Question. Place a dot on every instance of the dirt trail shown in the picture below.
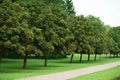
(73, 73)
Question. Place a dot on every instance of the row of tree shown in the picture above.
(48, 27)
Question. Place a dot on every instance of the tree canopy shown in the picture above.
(50, 27)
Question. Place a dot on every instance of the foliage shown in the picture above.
(48, 28)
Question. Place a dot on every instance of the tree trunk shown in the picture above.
(114, 55)
(0, 58)
(88, 57)
(55, 55)
(46, 58)
(80, 57)
(71, 60)
(25, 61)
(117, 55)
(100, 56)
(52, 55)
(95, 57)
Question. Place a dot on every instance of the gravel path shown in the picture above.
(73, 73)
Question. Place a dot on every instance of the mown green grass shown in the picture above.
(109, 74)
(12, 68)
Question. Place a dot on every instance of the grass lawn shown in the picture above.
(11, 69)
(109, 74)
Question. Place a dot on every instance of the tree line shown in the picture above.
(50, 27)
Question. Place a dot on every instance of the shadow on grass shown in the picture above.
(78, 62)
(10, 61)
(41, 67)
(108, 57)
(3, 71)
(30, 67)
(15, 66)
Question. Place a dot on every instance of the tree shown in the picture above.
(66, 5)
(69, 7)
(17, 36)
(114, 33)
(95, 33)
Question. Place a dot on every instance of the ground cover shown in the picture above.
(12, 68)
(109, 74)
